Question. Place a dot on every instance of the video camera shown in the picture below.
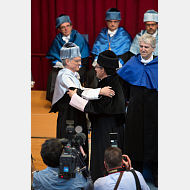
(71, 156)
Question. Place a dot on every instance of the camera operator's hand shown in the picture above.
(82, 151)
(126, 162)
(107, 91)
(71, 92)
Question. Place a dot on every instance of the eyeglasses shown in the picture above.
(98, 67)
(63, 27)
(152, 25)
(75, 60)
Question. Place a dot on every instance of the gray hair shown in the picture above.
(64, 62)
(148, 38)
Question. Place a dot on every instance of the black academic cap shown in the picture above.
(108, 59)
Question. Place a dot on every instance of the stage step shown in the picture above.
(43, 125)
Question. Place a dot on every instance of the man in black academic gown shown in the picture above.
(107, 115)
(140, 77)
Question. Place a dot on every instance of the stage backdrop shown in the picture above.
(87, 16)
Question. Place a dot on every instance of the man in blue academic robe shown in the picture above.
(67, 34)
(140, 81)
(151, 25)
(113, 38)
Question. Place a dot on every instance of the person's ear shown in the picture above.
(67, 61)
(105, 165)
(153, 49)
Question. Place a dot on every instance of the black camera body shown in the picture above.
(67, 165)
(71, 156)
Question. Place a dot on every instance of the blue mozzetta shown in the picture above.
(54, 50)
(118, 45)
(136, 73)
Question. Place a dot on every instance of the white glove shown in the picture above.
(94, 63)
(58, 65)
(120, 65)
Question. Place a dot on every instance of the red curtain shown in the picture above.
(87, 16)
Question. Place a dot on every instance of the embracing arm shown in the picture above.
(94, 94)
(80, 103)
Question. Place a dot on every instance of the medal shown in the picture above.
(109, 47)
(109, 42)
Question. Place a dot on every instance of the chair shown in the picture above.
(85, 36)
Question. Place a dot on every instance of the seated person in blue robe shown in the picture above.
(113, 38)
(151, 25)
(66, 34)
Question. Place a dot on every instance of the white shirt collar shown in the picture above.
(66, 38)
(154, 35)
(147, 61)
(112, 33)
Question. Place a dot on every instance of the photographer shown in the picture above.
(116, 174)
(48, 178)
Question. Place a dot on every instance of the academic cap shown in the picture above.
(108, 59)
(113, 14)
(62, 19)
(151, 15)
(69, 50)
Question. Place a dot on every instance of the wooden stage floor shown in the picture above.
(43, 125)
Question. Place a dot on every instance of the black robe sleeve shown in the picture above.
(93, 56)
(126, 88)
(90, 109)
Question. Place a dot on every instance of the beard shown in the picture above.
(151, 31)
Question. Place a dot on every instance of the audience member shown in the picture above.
(151, 25)
(114, 163)
(48, 178)
(113, 38)
(66, 34)
(107, 115)
(140, 77)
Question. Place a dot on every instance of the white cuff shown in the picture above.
(78, 102)
(91, 94)
(58, 65)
